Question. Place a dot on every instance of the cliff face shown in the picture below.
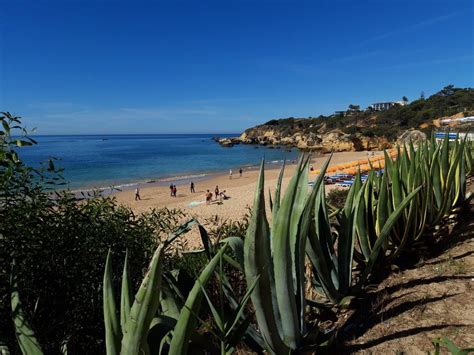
(362, 130)
(334, 140)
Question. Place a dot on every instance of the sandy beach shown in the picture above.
(239, 189)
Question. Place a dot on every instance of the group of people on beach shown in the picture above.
(219, 196)
(173, 190)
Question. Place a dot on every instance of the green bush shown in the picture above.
(60, 247)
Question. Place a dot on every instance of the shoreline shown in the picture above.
(178, 180)
(240, 190)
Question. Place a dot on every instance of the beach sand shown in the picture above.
(240, 190)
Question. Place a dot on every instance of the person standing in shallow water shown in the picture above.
(192, 187)
(137, 193)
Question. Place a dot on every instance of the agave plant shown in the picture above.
(379, 218)
(24, 333)
(437, 170)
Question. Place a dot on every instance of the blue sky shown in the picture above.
(75, 67)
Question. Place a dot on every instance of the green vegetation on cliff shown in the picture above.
(419, 114)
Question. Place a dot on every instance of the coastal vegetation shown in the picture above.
(91, 276)
(367, 129)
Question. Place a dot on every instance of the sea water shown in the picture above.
(94, 161)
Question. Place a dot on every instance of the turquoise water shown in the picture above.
(105, 160)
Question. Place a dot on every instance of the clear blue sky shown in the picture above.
(221, 66)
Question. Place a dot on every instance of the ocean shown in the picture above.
(96, 161)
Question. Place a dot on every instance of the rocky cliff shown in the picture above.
(333, 140)
(354, 129)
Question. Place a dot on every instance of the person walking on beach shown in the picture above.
(208, 197)
(137, 193)
(171, 190)
(175, 190)
(192, 187)
(240, 172)
(230, 174)
(216, 191)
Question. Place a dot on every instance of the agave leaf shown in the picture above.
(187, 320)
(363, 211)
(303, 224)
(126, 295)
(277, 199)
(384, 235)
(284, 242)
(258, 263)
(382, 205)
(444, 160)
(320, 248)
(396, 186)
(182, 229)
(240, 309)
(215, 314)
(237, 246)
(144, 308)
(447, 203)
(169, 300)
(206, 242)
(25, 335)
(113, 333)
(319, 254)
(345, 244)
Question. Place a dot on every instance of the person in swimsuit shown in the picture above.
(208, 197)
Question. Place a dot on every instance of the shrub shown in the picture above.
(60, 247)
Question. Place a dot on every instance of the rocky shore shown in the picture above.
(334, 140)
